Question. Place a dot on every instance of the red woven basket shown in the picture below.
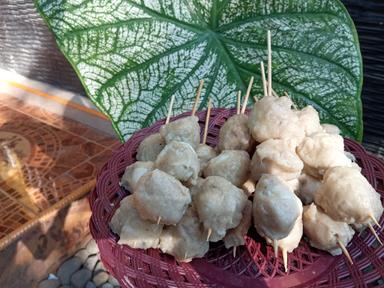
(254, 264)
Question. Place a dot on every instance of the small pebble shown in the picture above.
(99, 267)
(92, 247)
(49, 283)
(91, 262)
(67, 269)
(52, 276)
(90, 285)
(113, 280)
(80, 278)
(82, 254)
(106, 285)
(100, 278)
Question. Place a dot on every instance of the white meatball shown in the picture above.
(205, 153)
(275, 208)
(150, 147)
(347, 196)
(134, 231)
(134, 172)
(272, 118)
(308, 187)
(158, 194)
(179, 160)
(321, 151)
(219, 205)
(234, 134)
(186, 240)
(323, 232)
(232, 165)
(277, 157)
(309, 119)
(330, 129)
(185, 129)
(235, 236)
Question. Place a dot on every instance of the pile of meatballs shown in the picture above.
(278, 169)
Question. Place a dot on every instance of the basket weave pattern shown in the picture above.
(254, 264)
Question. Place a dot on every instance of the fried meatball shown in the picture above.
(186, 240)
(276, 157)
(185, 129)
(323, 232)
(234, 134)
(134, 231)
(309, 119)
(235, 236)
(330, 129)
(347, 196)
(219, 205)
(205, 153)
(158, 194)
(275, 208)
(232, 165)
(179, 160)
(273, 118)
(133, 173)
(321, 151)
(150, 147)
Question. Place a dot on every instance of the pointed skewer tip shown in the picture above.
(345, 251)
(209, 233)
(375, 234)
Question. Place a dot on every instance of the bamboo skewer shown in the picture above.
(275, 247)
(375, 234)
(170, 109)
(374, 220)
(269, 63)
(264, 81)
(285, 259)
(197, 98)
(345, 251)
(208, 115)
(247, 95)
(234, 252)
(209, 233)
(158, 220)
(238, 102)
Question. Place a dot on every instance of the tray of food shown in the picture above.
(241, 198)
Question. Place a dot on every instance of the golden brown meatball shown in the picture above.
(321, 151)
(347, 196)
(323, 232)
(277, 157)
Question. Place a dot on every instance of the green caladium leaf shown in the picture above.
(133, 55)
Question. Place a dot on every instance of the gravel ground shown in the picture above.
(83, 270)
